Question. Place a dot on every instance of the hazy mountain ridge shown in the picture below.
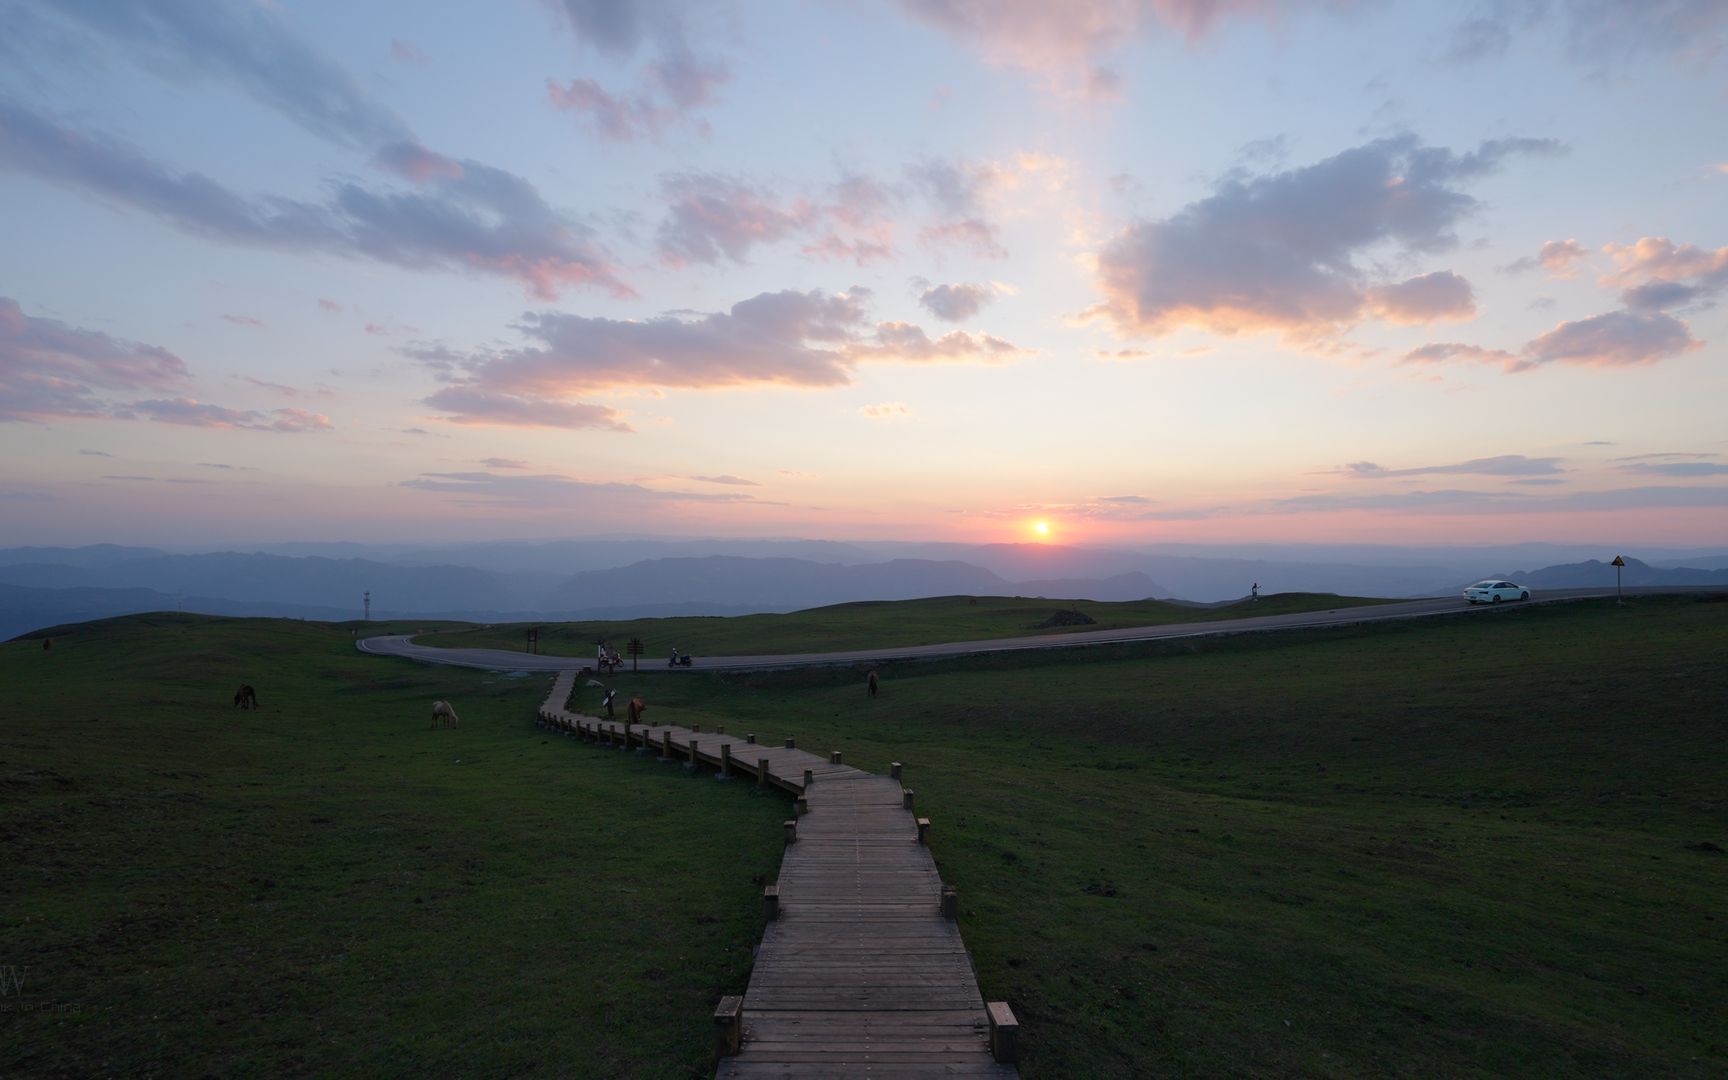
(771, 584)
(1597, 573)
(44, 586)
(24, 609)
(339, 584)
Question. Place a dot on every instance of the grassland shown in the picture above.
(329, 886)
(1471, 847)
(870, 625)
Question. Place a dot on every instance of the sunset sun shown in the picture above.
(1041, 529)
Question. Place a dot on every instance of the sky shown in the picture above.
(1099, 271)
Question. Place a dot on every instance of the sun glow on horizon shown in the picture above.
(1041, 529)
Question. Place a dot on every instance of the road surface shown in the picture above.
(505, 660)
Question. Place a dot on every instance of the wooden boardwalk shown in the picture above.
(861, 972)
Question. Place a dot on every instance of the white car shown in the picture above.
(1492, 592)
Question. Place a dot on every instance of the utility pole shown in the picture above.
(368, 595)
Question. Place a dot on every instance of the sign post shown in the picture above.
(635, 649)
(533, 640)
(1619, 561)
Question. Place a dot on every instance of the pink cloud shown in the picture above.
(628, 118)
(727, 479)
(189, 412)
(415, 162)
(1617, 339)
(1504, 465)
(407, 52)
(553, 489)
(459, 214)
(374, 328)
(1438, 297)
(298, 420)
(329, 305)
(1657, 273)
(713, 216)
(1559, 257)
(908, 343)
(1278, 252)
(1434, 354)
(957, 302)
(614, 118)
(275, 388)
(468, 405)
(1614, 339)
(675, 81)
(887, 411)
(1068, 42)
(50, 370)
(245, 320)
(794, 339)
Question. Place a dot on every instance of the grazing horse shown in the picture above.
(245, 697)
(871, 681)
(636, 709)
(443, 713)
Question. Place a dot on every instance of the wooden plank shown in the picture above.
(858, 975)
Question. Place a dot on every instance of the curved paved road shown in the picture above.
(504, 660)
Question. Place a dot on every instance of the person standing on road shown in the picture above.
(1254, 593)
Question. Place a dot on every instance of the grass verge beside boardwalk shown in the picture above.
(1478, 847)
(327, 885)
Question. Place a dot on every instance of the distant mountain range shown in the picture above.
(654, 577)
(1596, 573)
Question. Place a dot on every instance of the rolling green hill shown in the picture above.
(873, 624)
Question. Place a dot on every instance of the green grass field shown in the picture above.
(329, 886)
(868, 625)
(1458, 847)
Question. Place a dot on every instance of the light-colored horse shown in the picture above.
(444, 713)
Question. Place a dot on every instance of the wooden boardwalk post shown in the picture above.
(1004, 1033)
(729, 1025)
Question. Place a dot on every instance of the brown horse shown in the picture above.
(636, 709)
(871, 681)
(245, 697)
(444, 713)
